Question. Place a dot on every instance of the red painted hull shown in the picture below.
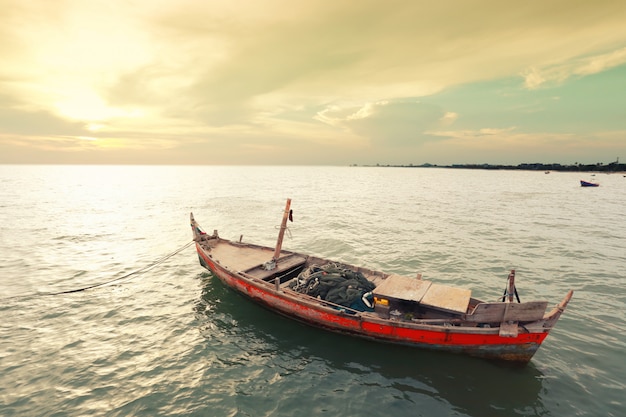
(474, 341)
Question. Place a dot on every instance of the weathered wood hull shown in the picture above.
(451, 335)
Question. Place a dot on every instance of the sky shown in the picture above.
(277, 82)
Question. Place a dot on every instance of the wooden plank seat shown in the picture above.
(283, 264)
(525, 312)
(504, 312)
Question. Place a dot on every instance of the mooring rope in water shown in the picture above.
(127, 276)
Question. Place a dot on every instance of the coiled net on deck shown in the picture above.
(337, 284)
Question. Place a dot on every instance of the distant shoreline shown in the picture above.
(599, 167)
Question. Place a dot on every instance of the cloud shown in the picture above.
(600, 63)
(225, 64)
(558, 73)
(514, 146)
(278, 73)
(18, 118)
(389, 123)
(448, 118)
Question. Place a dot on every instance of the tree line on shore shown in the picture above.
(576, 167)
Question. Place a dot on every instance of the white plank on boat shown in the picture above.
(529, 311)
(509, 329)
(447, 298)
(402, 288)
(487, 313)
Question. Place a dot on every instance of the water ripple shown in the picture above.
(175, 342)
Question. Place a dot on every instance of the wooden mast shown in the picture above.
(511, 287)
(281, 233)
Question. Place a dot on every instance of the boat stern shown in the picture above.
(553, 316)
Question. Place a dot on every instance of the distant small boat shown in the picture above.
(375, 305)
(588, 184)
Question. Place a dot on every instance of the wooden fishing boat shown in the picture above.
(375, 305)
(584, 183)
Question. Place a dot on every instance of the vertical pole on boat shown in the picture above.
(511, 286)
(281, 233)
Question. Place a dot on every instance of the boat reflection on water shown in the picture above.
(459, 383)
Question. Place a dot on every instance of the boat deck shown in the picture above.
(239, 257)
(251, 260)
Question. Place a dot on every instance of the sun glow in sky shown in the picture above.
(312, 82)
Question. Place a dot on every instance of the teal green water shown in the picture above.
(173, 341)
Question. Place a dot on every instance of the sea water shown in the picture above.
(164, 337)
